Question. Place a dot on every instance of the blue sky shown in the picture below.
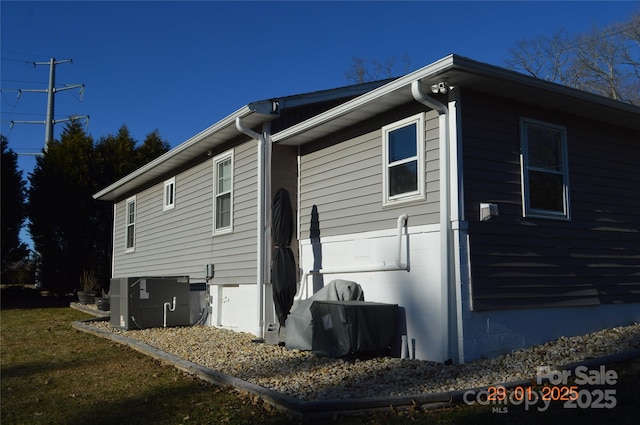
(179, 67)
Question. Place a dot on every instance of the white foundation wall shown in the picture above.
(235, 307)
(417, 291)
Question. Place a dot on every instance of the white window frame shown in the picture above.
(419, 193)
(526, 168)
(169, 194)
(130, 224)
(226, 156)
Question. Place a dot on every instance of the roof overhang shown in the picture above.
(253, 115)
(458, 71)
(463, 72)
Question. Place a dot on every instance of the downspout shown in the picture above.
(445, 210)
(113, 242)
(263, 195)
(459, 227)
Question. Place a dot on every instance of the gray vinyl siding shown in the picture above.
(519, 262)
(343, 180)
(234, 254)
(179, 241)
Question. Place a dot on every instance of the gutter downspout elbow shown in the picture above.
(419, 95)
(242, 129)
(402, 222)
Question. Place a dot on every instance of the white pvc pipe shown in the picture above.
(399, 265)
(404, 349)
(170, 307)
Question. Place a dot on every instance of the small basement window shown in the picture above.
(169, 198)
(403, 160)
(545, 176)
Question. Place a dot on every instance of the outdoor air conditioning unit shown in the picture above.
(151, 302)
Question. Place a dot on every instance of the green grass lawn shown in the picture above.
(54, 374)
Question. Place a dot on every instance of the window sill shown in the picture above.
(222, 232)
(547, 216)
(404, 200)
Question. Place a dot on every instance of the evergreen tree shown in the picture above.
(61, 209)
(152, 147)
(14, 252)
(72, 231)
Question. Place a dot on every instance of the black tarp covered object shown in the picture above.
(300, 322)
(349, 327)
(283, 270)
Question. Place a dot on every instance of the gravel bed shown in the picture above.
(308, 377)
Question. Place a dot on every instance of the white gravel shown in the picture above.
(308, 377)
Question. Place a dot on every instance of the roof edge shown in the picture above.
(448, 63)
(225, 122)
(435, 67)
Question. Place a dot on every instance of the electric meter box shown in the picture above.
(148, 302)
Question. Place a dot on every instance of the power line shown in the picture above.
(22, 81)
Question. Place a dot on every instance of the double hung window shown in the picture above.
(130, 232)
(545, 177)
(223, 193)
(403, 160)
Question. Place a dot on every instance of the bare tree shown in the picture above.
(362, 70)
(602, 61)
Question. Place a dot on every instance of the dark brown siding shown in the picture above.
(519, 262)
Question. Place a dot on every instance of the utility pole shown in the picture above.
(51, 91)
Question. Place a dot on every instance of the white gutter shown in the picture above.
(445, 212)
(398, 265)
(262, 228)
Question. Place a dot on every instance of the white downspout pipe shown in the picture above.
(113, 242)
(445, 210)
(261, 223)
